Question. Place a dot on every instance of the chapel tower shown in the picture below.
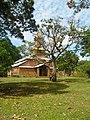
(38, 50)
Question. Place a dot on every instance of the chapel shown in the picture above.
(35, 65)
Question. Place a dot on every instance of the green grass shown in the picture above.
(41, 99)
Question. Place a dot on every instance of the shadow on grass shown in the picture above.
(69, 80)
(73, 80)
(30, 89)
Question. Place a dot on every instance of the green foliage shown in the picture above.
(85, 34)
(85, 42)
(84, 68)
(16, 16)
(53, 31)
(8, 54)
(67, 62)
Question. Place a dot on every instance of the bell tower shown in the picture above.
(38, 50)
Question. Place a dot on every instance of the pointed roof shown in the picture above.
(23, 60)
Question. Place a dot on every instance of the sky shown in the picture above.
(53, 9)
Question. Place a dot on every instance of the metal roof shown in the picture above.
(23, 59)
(17, 64)
(32, 66)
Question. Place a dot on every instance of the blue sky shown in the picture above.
(52, 9)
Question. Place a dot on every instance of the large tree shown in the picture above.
(55, 35)
(8, 54)
(16, 16)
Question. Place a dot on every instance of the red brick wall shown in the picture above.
(15, 71)
(28, 72)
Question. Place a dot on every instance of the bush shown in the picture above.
(83, 69)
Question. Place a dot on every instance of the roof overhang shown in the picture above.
(37, 66)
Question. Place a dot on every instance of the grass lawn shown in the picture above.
(41, 99)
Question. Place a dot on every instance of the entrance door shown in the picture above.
(43, 71)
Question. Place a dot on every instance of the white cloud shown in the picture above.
(53, 8)
(65, 42)
(84, 58)
(50, 9)
(28, 36)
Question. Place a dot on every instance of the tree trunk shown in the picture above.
(54, 78)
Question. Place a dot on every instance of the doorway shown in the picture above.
(43, 71)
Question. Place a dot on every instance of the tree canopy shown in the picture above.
(85, 34)
(85, 43)
(67, 62)
(55, 35)
(16, 16)
(8, 54)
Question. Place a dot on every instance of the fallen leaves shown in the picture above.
(17, 117)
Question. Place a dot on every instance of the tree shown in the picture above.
(78, 5)
(67, 62)
(85, 42)
(85, 34)
(55, 34)
(26, 48)
(16, 17)
(8, 54)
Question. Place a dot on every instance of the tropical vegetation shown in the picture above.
(8, 55)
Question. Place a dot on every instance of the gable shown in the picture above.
(30, 62)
